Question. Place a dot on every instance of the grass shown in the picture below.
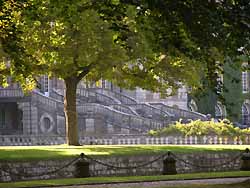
(24, 153)
(96, 180)
(245, 184)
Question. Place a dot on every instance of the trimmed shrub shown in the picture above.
(201, 128)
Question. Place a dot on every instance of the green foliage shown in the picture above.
(172, 39)
(232, 92)
(201, 128)
(72, 41)
(152, 132)
(205, 100)
(211, 89)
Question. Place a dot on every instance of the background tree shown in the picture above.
(152, 44)
(232, 91)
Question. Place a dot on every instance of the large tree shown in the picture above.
(152, 44)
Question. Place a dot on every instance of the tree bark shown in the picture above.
(70, 111)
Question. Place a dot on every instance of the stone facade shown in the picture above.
(102, 110)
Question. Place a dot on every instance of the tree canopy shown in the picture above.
(152, 44)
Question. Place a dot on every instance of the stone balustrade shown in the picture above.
(151, 111)
(54, 94)
(176, 140)
(124, 99)
(125, 109)
(93, 96)
(30, 140)
(52, 103)
(44, 100)
(5, 92)
(180, 113)
(118, 117)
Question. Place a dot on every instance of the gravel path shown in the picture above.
(163, 183)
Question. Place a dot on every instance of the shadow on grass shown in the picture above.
(150, 150)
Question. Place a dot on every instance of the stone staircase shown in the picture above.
(117, 120)
(125, 115)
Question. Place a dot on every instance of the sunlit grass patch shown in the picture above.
(64, 151)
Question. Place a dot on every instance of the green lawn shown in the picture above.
(95, 180)
(61, 151)
(236, 185)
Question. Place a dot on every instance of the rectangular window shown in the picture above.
(103, 83)
(46, 83)
(244, 82)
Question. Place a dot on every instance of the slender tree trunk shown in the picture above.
(70, 111)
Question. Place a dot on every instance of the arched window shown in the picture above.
(47, 123)
(220, 112)
(245, 114)
(192, 106)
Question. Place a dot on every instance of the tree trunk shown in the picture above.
(70, 111)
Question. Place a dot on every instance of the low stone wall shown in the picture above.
(216, 161)
(15, 171)
(200, 160)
